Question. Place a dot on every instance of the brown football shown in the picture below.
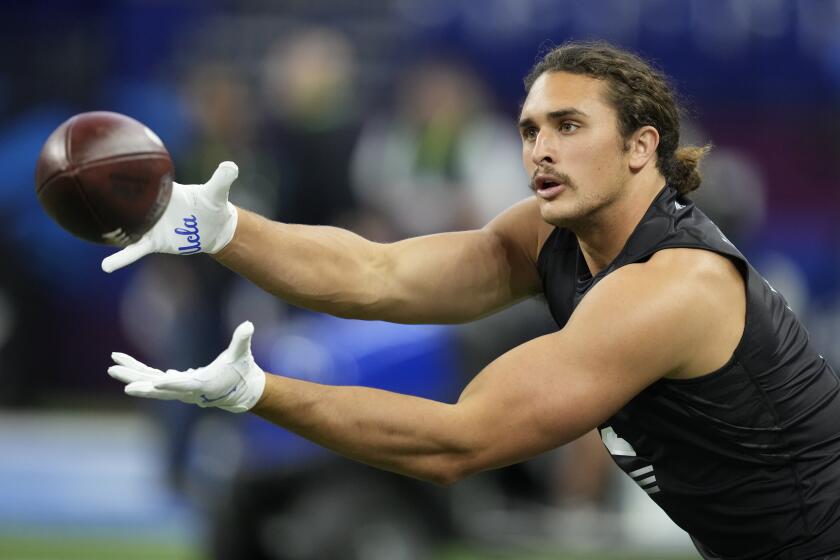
(104, 177)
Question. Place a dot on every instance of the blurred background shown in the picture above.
(392, 118)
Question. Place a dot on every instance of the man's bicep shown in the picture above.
(460, 276)
(535, 398)
(553, 389)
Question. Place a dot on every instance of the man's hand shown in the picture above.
(198, 219)
(232, 382)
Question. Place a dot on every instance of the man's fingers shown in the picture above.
(130, 375)
(219, 183)
(147, 390)
(128, 255)
(128, 361)
(240, 342)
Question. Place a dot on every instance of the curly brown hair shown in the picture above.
(641, 96)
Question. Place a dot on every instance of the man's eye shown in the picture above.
(530, 133)
(569, 127)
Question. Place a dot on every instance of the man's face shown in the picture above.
(571, 147)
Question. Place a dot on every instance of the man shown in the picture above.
(699, 377)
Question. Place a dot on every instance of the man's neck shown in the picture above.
(605, 233)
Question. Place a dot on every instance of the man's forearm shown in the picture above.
(400, 433)
(317, 267)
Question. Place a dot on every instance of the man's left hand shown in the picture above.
(232, 382)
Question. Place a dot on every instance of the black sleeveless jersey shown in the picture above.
(745, 459)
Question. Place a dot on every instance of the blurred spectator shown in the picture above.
(225, 119)
(441, 160)
(310, 124)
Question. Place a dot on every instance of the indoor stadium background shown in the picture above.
(393, 118)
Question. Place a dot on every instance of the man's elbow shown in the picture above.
(451, 470)
(446, 478)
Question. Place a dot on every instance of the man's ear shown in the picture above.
(642, 147)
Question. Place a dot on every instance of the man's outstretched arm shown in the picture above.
(444, 278)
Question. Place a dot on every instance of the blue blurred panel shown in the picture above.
(808, 240)
(20, 143)
(418, 360)
(720, 51)
(86, 473)
(144, 33)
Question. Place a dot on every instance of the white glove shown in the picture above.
(232, 382)
(198, 219)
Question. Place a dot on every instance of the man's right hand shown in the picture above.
(198, 219)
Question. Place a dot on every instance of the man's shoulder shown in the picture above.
(699, 292)
(696, 267)
(692, 275)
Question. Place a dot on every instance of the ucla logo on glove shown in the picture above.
(190, 230)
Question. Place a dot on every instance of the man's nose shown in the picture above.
(544, 150)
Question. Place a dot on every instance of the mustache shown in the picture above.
(552, 174)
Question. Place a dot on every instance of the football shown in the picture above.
(104, 177)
